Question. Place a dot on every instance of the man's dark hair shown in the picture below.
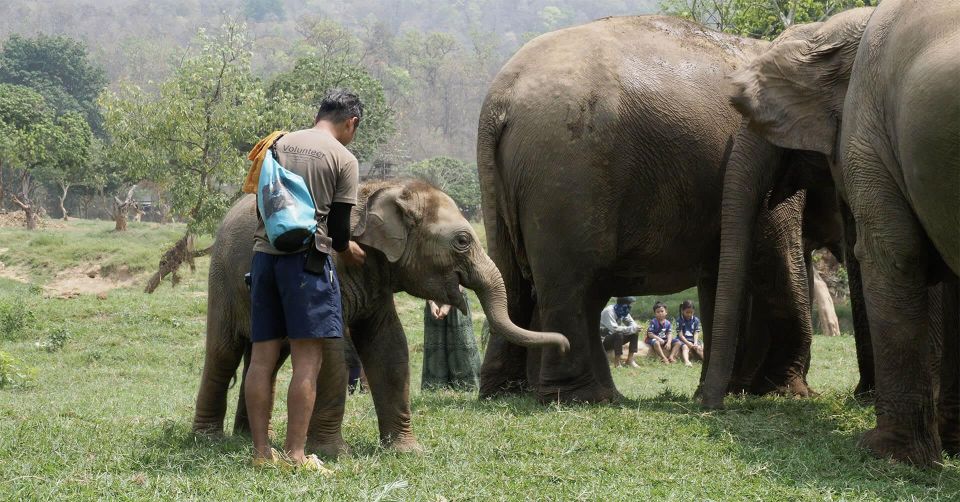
(658, 305)
(339, 105)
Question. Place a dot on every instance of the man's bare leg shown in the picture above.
(306, 356)
(258, 393)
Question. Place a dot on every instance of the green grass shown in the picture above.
(108, 416)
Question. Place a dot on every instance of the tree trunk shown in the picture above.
(120, 210)
(120, 220)
(64, 187)
(826, 313)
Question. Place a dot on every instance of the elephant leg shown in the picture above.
(893, 256)
(948, 404)
(861, 327)
(382, 347)
(219, 366)
(574, 310)
(707, 294)
(504, 367)
(241, 421)
(503, 371)
(324, 435)
(753, 347)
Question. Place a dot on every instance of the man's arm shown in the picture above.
(608, 322)
(338, 225)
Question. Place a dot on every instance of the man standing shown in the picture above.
(296, 296)
(617, 327)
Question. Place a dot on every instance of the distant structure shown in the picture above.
(381, 169)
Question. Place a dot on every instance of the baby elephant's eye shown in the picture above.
(462, 241)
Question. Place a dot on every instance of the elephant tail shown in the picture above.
(500, 214)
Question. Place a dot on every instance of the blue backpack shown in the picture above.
(286, 206)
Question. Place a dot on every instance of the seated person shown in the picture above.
(658, 333)
(617, 327)
(688, 327)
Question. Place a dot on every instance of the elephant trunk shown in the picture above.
(748, 178)
(485, 280)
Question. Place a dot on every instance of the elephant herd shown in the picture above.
(647, 155)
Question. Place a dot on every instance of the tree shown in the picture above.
(194, 136)
(26, 124)
(312, 77)
(59, 69)
(455, 177)
(757, 18)
(69, 162)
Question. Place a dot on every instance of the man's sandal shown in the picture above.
(313, 463)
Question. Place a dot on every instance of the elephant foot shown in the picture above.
(329, 449)
(213, 431)
(792, 386)
(500, 388)
(950, 437)
(405, 443)
(590, 393)
(865, 391)
(923, 451)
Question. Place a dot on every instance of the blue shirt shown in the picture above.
(661, 331)
(691, 326)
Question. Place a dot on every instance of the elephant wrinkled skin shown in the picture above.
(601, 151)
(875, 91)
(416, 241)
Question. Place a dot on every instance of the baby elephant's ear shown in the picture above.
(382, 225)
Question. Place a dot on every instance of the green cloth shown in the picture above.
(450, 355)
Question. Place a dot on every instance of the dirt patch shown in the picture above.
(17, 219)
(89, 280)
(12, 273)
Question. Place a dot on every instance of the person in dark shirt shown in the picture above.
(658, 332)
(688, 327)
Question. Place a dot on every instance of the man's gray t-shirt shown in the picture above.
(330, 171)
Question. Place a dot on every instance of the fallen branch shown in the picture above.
(181, 252)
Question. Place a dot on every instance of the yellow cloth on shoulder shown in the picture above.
(257, 154)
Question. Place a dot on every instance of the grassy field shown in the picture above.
(106, 408)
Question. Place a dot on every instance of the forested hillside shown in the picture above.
(434, 57)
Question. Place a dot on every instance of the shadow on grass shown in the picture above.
(803, 443)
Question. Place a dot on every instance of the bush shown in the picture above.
(12, 373)
(15, 318)
(55, 341)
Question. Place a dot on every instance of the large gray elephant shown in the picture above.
(601, 151)
(416, 241)
(876, 93)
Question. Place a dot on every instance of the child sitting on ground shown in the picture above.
(658, 333)
(688, 327)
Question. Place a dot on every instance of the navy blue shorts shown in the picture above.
(288, 302)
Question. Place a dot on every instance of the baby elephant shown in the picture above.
(416, 241)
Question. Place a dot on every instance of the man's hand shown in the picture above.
(354, 255)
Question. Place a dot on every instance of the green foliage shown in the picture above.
(311, 78)
(13, 374)
(59, 69)
(16, 318)
(194, 136)
(259, 10)
(55, 341)
(758, 18)
(455, 177)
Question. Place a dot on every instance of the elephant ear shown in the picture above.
(793, 93)
(385, 221)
